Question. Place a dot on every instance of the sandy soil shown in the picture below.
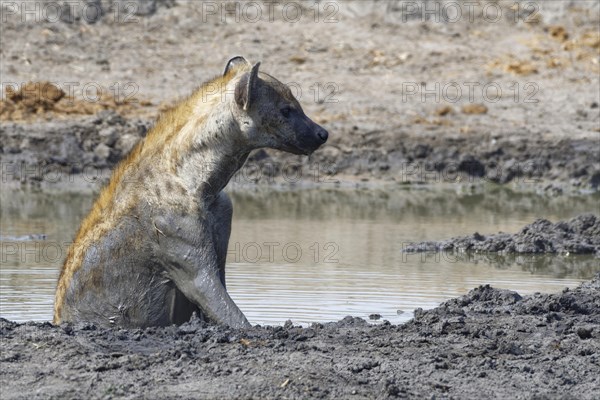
(390, 81)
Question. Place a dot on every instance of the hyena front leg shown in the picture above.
(222, 211)
(187, 248)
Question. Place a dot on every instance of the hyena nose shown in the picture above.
(322, 134)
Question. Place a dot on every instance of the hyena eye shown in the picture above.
(286, 111)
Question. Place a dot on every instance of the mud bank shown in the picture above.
(490, 343)
(55, 153)
(580, 235)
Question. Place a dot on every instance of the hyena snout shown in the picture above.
(310, 135)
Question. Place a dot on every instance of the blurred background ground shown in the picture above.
(409, 90)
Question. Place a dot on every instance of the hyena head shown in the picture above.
(268, 113)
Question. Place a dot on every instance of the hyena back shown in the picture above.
(152, 249)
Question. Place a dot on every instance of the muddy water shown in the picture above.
(318, 255)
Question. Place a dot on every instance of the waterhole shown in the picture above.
(318, 255)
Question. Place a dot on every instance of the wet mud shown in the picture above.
(490, 343)
(579, 235)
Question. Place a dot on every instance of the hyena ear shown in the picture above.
(245, 90)
(234, 63)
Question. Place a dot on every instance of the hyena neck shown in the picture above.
(217, 153)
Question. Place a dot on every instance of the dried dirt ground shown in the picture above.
(489, 343)
(500, 91)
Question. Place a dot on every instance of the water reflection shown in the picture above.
(318, 255)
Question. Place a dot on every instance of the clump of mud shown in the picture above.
(44, 100)
(580, 235)
(35, 96)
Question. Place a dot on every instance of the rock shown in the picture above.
(89, 11)
(595, 180)
(101, 152)
(444, 110)
(422, 150)
(475, 109)
(92, 11)
(110, 117)
(471, 166)
(298, 59)
(142, 7)
(584, 333)
(109, 136)
(126, 143)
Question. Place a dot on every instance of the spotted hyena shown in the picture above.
(152, 249)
